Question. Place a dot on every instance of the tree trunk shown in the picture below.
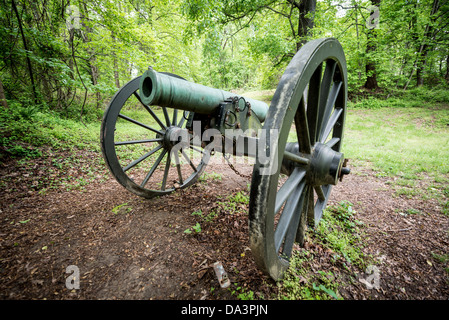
(447, 68)
(3, 101)
(94, 73)
(359, 61)
(114, 58)
(420, 69)
(422, 59)
(306, 9)
(306, 21)
(30, 70)
(371, 47)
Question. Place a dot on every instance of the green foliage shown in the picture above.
(35, 128)
(241, 293)
(122, 208)
(417, 97)
(225, 44)
(196, 228)
(300, 284)
(75, 70)
(235, 203)
(240, 197)
(213, 176)
(206, 218)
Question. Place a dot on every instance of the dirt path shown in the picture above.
(126, 247)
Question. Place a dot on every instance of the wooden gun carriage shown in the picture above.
(295, 141)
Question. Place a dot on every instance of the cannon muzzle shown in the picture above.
(168, 91)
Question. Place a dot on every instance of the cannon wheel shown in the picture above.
(307, 109)
(136, 146)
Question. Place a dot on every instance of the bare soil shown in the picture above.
(126, 247)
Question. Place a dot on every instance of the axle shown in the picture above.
(166, 91)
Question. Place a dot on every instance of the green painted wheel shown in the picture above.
(305, 121)
(137, 147)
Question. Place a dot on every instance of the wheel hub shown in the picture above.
(326, 166)
(172, 136)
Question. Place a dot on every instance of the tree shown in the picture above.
(229, 44)
(298, 17)
(371, 48)
(3, 101)
(428, 41)
(24, 40)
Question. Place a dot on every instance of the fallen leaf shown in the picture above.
(202, 273)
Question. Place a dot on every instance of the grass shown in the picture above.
(408, 144)
(396, 142)
(266, 95)
(207, 177)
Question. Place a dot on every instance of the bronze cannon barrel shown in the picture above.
(167, 91)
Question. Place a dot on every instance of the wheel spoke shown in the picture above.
(156, 163)
(120, 143)
(150, 111)
(181, 122)
(167, 117)
(295, 158)
(178, 168)
(302, 128)
(332, 121)
(292, 230)
(326, 83)
(320, 193)
(288, 187)
(139, 124)
(332, 142)
(313, 101)
(135, 162)
(175, 117)
(300, 234)
(197, 150)
(310, 208)
(288, 215)
(330, 104)
(321, 204)
(167, 169)
(190, 162)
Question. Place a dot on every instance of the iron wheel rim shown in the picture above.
(110, 145)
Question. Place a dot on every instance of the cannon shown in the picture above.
(159, 131)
